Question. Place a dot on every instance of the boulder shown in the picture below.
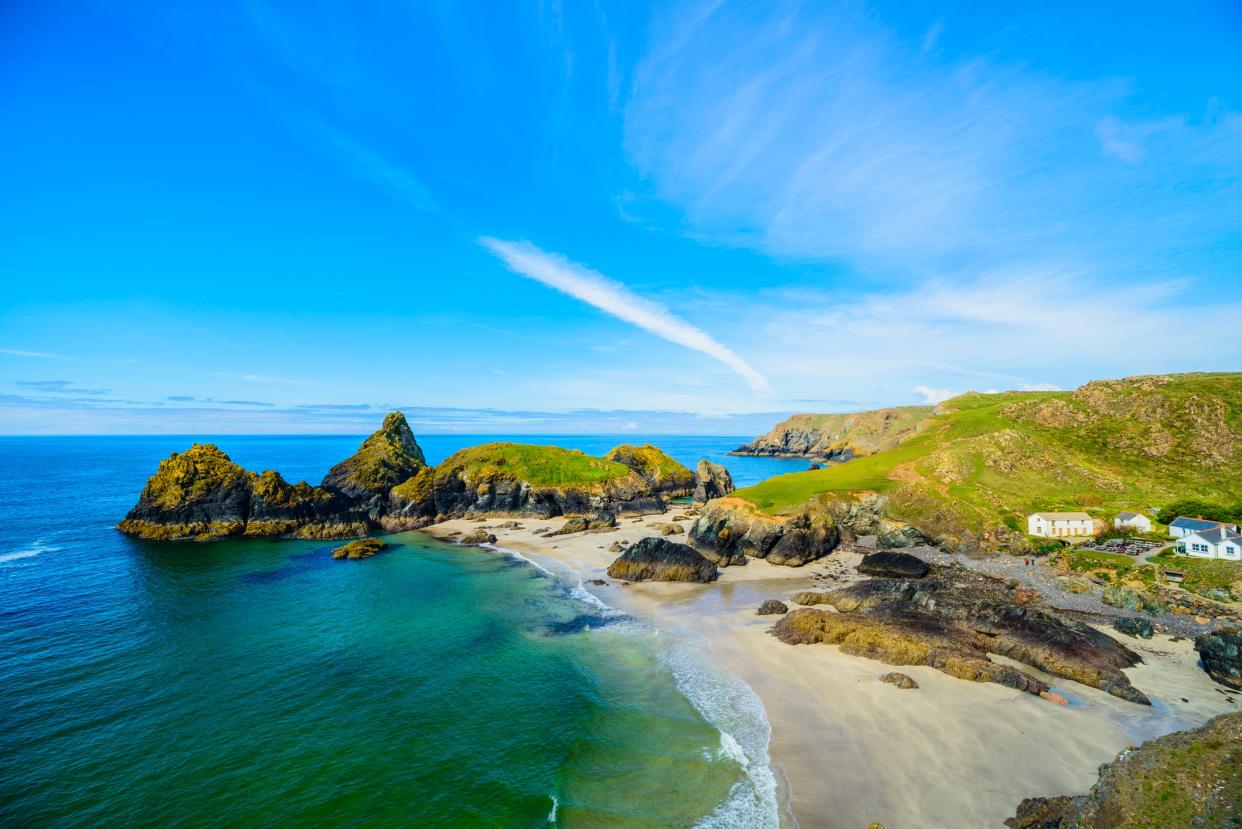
(893, 565)
(903, 681)
(771, 607)
(667, 528)
(479, 536)
(1221, 653)
(601, 523)
(1135, 626)
(362, 548)
(657, 559)
(711, 481)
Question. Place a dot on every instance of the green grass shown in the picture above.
(540, 465)
(1109, 447)
(1202, 573)
(1084, 561)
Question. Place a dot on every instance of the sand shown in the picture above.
(854, 750)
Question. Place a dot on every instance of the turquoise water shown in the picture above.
(262, 683)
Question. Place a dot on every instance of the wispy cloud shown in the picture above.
(263, 378)
(17, 352)
(59, 387)
(616, 299)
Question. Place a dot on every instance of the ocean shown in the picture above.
(261, 683)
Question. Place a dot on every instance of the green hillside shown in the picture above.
(540, 465)
(982, 460)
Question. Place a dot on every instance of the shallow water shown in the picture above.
(261, 682)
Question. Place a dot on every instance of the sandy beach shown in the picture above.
(951, 753)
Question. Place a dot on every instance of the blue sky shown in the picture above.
(596, 216)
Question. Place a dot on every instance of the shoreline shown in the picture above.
(854, 750)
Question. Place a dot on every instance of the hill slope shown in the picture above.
(838, 437)
(981, 462)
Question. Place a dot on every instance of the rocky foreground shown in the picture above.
(1187, 779)
(387, 486)
(951, 620)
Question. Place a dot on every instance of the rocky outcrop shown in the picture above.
(522, 480)
(1221, 652)
(666, 476)
(952, 620)
(903, 681)
(711, 481)
(604, 522)
(479, 536)
(362, 548)
(772, 607)
(838, 437)
(201, 494)
(388, 457)
(1189, 778)
(889, 564)
(656, 559)
(728, 530)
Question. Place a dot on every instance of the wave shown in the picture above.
(721, 698)
(35, 549)
(735, 710)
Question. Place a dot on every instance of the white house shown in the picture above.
(1218, 542)
(1183, 526)
(1060, 524)
(1133, 520)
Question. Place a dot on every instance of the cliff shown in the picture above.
(971, 472)
(838, 437)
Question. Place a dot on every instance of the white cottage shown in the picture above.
(1133, 520)
(1183, 526)
(1218, 542)
(1060, 524)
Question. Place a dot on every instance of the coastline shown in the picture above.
(854, 750)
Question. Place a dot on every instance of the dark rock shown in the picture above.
(1135, 626)
(894, 565)
(479, 536)
(711, 481)
(903, 681)
(656, 559)
(952, 620)
(1042, 813)
(385, 459)
(772, 606)
(601, 523)
(1221, 652)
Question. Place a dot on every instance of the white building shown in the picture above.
(1218, 542)
(1060, 524)
(1183, 526)
(1133, 520)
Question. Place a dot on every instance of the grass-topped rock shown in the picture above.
(520, 479)
(666, 475)
(362, 548)
(1189, 778)
(385, 459)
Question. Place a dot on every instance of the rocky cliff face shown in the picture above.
(540, 482)
(838, 437)
(1190, 778)
(202, 495)
(728, 530)
(711, 481)
(666, 476)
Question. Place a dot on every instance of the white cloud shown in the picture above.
(43, 355)
(933, 396)
(616, 299)
(1039, 387)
